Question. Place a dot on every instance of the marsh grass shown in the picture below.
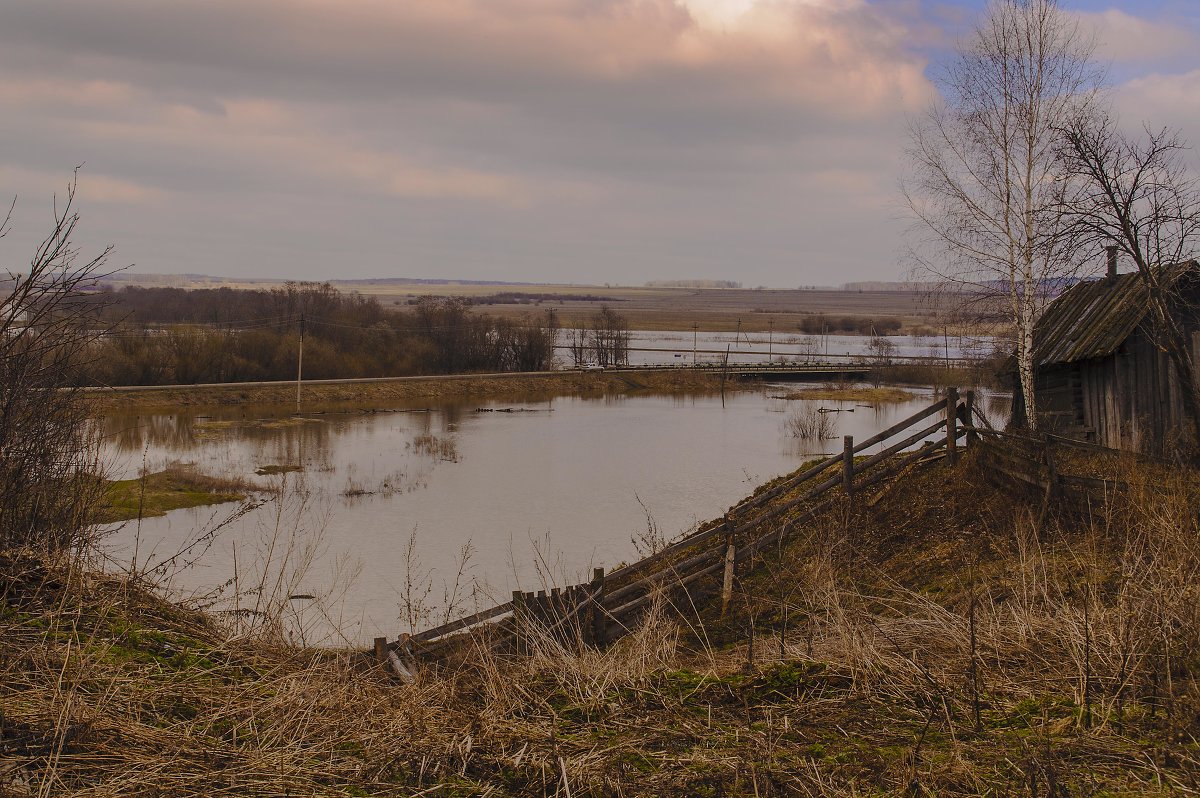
(810, 423)
(438, 447)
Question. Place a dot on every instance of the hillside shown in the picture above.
(940, 642)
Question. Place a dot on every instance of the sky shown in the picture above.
(571, 141)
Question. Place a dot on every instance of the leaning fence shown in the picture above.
(602, 610)
(1035, 462)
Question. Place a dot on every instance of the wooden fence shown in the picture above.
(600, 611)
(1034, 462)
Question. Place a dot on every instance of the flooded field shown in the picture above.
(376, 521)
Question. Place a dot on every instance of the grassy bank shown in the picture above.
(506, 387)
(948, 639)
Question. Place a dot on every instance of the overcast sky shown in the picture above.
(538, 140)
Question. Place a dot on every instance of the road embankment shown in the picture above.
(524, 386)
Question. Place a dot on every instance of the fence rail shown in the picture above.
(1033, 461)
(597, 612)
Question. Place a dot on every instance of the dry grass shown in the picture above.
(939, 643)
(440, 448)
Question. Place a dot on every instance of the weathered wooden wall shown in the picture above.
(1128, 400)
(1102, 375)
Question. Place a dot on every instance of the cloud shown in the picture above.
(601, 140)
(96, 188)
(1127, 39)
(1162, 100)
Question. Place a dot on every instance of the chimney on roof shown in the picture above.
(1112, 249)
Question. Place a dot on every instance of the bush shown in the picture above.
(48, 452)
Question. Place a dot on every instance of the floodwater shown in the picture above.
(683, 347)
(393, 508)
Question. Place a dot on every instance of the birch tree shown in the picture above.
(985, 187)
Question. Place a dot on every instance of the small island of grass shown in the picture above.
(834, 393)
(275, 469)
(172, 489)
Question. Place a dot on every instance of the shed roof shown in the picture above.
(1094, 318)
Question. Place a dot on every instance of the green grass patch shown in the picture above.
(276, 469)
(157, 494)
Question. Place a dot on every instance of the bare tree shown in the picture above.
(579, 342)
(1137, 193)
(881, 352)
(610, 337)
(986, 186)
(48, 480)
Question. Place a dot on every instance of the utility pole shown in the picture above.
(695, 337)
(299, 362)
(770, 339)
(946, 341)
(724, 375)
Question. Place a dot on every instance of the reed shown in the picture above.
(809, 423)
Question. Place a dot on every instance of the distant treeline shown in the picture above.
(527, 298)
(821, 324)
(177, 336)
(693, 284)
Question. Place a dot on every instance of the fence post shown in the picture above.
(518, 612)
(539, 608)
(730, 560)
(381, 650)
(1051, 478)
(952, 425)
(848, 463)
(598, 623)
(972, 435)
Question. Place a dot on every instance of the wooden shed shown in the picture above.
(1100, 374)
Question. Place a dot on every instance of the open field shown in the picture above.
(722, 309)
(647, 307)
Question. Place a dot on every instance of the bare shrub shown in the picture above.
(810, 423)
(652, 540)
(423, 602)
(48, 452)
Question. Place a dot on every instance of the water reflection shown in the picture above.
(533, 491)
